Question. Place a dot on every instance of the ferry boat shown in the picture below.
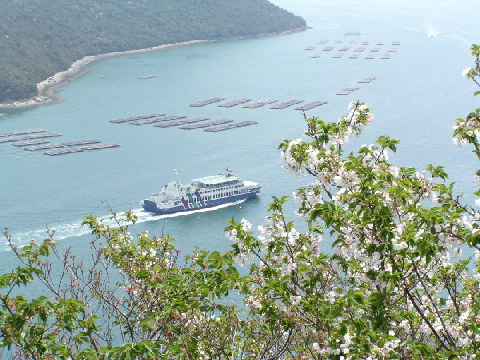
(201, 193)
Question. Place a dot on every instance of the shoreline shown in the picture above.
(47, 88)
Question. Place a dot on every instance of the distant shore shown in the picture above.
(47, 88)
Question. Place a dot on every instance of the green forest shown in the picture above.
(40, 37)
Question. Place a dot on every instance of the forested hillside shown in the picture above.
(41, 37)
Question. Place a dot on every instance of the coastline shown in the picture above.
(47, 88)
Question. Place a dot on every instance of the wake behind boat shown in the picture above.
(201, 193)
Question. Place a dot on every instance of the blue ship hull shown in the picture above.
(151, 206)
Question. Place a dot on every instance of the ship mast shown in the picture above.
(178, 177)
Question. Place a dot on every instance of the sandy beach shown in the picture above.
(47, 88)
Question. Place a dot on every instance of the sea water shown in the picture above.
(416, 97)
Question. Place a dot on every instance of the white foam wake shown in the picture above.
(64, 231)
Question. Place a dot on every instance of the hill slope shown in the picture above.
(41, 37)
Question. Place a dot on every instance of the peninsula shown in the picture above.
(44, 43)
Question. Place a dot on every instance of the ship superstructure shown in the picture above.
(201, 193)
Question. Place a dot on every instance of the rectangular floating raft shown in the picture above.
(230, 126)
(259, 104)
(157, 120)
(30, 142)
(366, 80)
(63, 151)
(286, 104)
(206, 102)
(181, 122)
(28, 137)
(346, 91)
(22, 132)
(311, 105)
(134, 118)
(81, 142)
(43, 147)
(99, 147)
(234, 103)
(203, 124)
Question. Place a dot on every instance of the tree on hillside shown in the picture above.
(401, 281)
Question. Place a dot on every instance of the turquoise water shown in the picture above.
(416, 97)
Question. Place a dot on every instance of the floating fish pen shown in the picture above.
(146, 77)
(328, 48)
(81, 142)
(338, 55)
(206, 102)
(259, 104)
(346, 91)
(99, 147)
(353, 42)
(310, 105)
(386, 56)
(344, 49)
(380, 43)
(157, 120)
(72, 150)
(286, 104)
(30, 142)
(28, 137)
(64, 151)
(365, 43)
(375, 49)
(370, 56)
(11, 139)
(203, 125)
(41, 136)
(310, 48)
(134, 118)
(393, 50)
(360, 49)
(316, 56)
(22, 132)
(170, 124)
(367, 80)
(230, 126)
(321, 42)
(181, 122)
(234, 103)
(43, 147)
(354, 56)
(396, 43)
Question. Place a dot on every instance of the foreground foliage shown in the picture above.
(397, 278)
(42, 37)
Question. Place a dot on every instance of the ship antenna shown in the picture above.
(178, 176)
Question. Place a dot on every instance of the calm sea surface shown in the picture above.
(416, 97)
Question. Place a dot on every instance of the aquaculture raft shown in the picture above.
(134, 118)
(203, 125)
(234, 103)
(206, 102)
(286, 104)
(230, 126)
(259, 104)
(311, 105)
